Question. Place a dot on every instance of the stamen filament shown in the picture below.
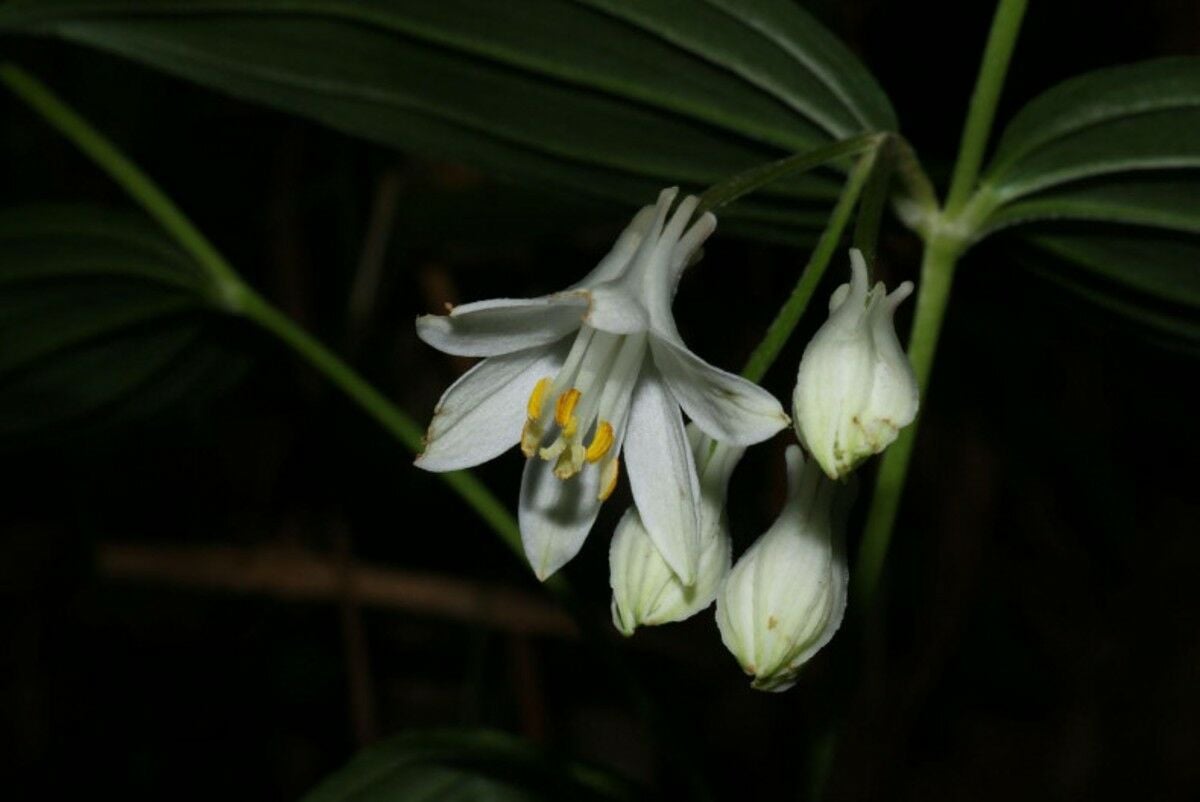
(531, 436)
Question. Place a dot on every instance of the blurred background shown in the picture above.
(228, 593)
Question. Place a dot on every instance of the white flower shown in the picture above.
(580, 375)
(646, 592)
(855, 389)
(785, 597)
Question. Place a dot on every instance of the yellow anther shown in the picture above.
(537, 397)
(565, 406)
(608, 478)
(601, 441)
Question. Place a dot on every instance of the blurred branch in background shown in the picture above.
(297, 574)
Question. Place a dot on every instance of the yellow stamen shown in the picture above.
(565, 406)
(553, 450)
(537, 397)
(570, 427)
(569, 462)
(608, 478)
(601, 442)
(531, 436)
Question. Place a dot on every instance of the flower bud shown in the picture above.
(646, 592)
(785, 597)
(855, 389)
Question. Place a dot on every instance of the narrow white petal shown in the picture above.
(555, 516)
(617, 261)
(480, 416)
(662, 474)
(615, 310)
(504, 325)
(726, 407)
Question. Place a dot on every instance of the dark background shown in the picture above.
(1039, 624)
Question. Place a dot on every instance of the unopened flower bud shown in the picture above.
(855, 389)
(785, 597)
(646, 592)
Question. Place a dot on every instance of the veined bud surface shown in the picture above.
(855, 389)
(646, 592)
(785, 597)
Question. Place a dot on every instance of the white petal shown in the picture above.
(674, 254)
(617, 261)
(480, 416)
(504, 325)
(615, 310)
(662, 474)
(555, 516)
(726, 407)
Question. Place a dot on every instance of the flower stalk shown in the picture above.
(781, 328)
(947, 234)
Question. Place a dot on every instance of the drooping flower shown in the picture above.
(646, 592)
(581, 376)
(785, 597)
(855, 389)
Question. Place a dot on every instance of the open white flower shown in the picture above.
(785, 597)
(855, 389)
(581, 375)
(646, 592)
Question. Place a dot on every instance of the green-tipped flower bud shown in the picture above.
(785, 597)
(646, 591)
(855, 389)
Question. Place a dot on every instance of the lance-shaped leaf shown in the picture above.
(101, 320)
(615, 99)
(1137, 117)
(1107, 167)
(1148, 279)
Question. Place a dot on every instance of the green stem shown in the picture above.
(387, 414)
(793, 308)
(756, 178)
(982, 112)
(875, 195)
(66, 121)
(236, 297)
(937, 275)
(946, 236)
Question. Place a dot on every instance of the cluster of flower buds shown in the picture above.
(580, 377)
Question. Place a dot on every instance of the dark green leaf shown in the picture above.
(1168, 269)
(614, 99)
(1134, 117)
(1159, 200)
(462, 766)
(1105, 166)
(1151, 280)
(101, 318)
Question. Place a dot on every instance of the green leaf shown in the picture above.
(101, 320)
(1105, 168)
(1136, 117)
(1164, 268)
(1168, 201)
(614, 99)
(1149, 280)
(462, 766)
